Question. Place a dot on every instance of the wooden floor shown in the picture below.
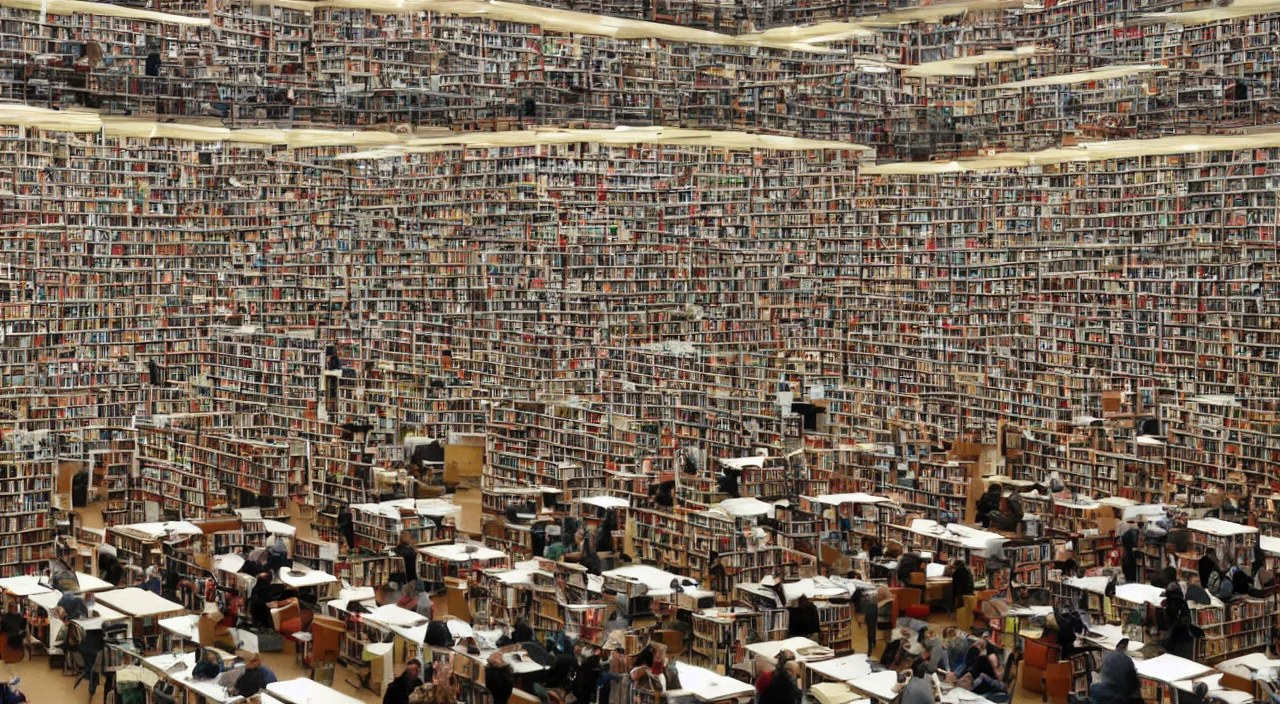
(45, 686)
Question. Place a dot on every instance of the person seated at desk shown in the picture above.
(1117, 681)
(256, 676)
(151, 580)
(440, 687)
(407, 683)
(765, 678)
(109, 568)
(74, 607)
(803, 620)
(782, 687)
(663, 493)
(520, 633)
(408, 554)
(499, 678)
(277, 555)
(983, 674)
(915, 685)
(208, 667)
(232, 674)
(988, 504)
(1010, 519)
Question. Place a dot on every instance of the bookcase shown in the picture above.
(601, 303)
(716, 631)
(193, 473)
(28, 465)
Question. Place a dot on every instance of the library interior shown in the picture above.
(639, 351)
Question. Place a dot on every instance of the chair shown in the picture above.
(886, 619)
(904, 597)
(673, 639)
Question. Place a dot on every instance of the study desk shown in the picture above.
(706, 686)
(177, 667)
(143, 608)
(304, 691)
(806, 650)
(841, 669)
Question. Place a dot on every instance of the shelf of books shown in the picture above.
(28, 464)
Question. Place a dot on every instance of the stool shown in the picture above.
(918, 611)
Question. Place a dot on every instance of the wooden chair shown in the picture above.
(673, 639)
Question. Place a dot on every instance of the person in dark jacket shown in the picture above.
(604, 531)
(782, 688)
(1208, 566)
(1129, 566)
(1117, 681)
(401, 687)
(499, 678)
(961, 580)
(803, 619)
(988, 503)
(1181, 638)
(408, 553)
(869, 607)
(256, 677)
(109, 567)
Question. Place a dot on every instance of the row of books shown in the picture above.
(912, 86)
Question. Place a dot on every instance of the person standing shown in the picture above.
(870, 610)
(408, 552)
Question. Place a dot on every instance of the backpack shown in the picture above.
(438, 635)
(1215, 582)
(1225, 589)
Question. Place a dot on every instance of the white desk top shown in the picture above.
(1109, 636)
(306, 578)
(27, 585)
(208, 689)
(657, 581)
(407, 624)
(133, 601)
(278, 528)
(878, 685)
(769, 650)
(1217, 526)
(706, 686)
(819, 589)
(457, 552)
(30, 588)
(961, 696)
(303, 691)
(1248, 666)
(854, 498)
(182, 626)
(89, 583)
(101, 612)
(1171, 668)
(229, 562)
(522, 666)
(155, 531)
(1214, 683)
(842, 669)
